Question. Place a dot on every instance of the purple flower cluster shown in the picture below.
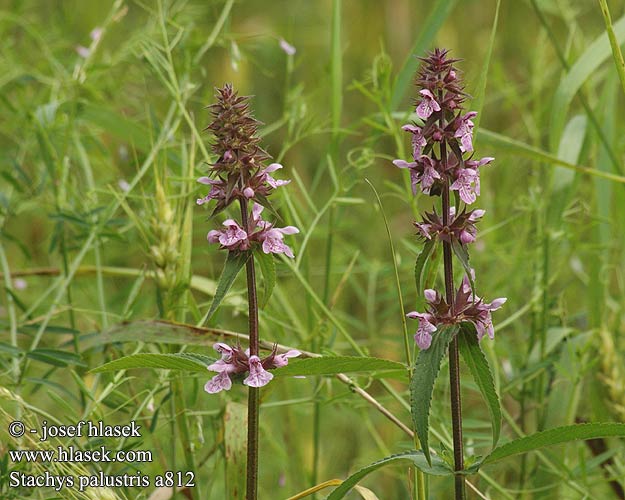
(440, 109)
(466, 307)
(235, 237)
(461, 228)
(236, 361)
(239, 174)
(439, 146)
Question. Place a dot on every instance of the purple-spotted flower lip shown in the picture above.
(418, 140)
(428, 105)
(423, 170)
(464, 131)
(235, 360)
(234, 237)
(271, 238)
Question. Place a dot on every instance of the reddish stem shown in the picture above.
(253, 394)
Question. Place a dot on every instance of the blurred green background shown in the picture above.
(100, 144)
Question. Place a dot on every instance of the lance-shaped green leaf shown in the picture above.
(435, 467)
(425, 373)
(558, 435)
(179, 361)
(56, 357)
(478, 365)
(234, 263)
(331, 365)
(420, 270)
(267, 265)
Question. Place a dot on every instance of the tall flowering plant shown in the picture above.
(443, 162)
(240, 174)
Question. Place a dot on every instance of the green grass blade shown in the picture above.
(585, 66)
(427, 32)
(480, 88)
(519, 148)
(337, 67)
(617, 55)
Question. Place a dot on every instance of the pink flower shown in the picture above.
(484, 321)
(418, 141)
(429, 173)
(258, 375)
(235, 360)
(82, 51)
(271, 237)
(467, 181)
(464, 131)
(415, 176)
(96, 34)
(272, 240)
(217, 189)
(270, 180)
(422, 171)
(423, 336)
(220, 382)
(283, 359)
(467, 184)
(287, 47)
(427, 105)
(233, 237)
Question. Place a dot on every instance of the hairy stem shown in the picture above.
(253, 395)
(454, 362)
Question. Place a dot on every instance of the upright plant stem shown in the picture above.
(454, 362)
(253, 395)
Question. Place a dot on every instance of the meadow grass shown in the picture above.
(99, 227)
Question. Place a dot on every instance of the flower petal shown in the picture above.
(258, 376)
(220, 382)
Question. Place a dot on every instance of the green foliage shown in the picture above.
(434, 467)
(93, 258)
(424, 376)
(180, 361)
(421, 268)
(267, 264)
(336, 364)
(551, 437)
(478, 365)
(233, 265)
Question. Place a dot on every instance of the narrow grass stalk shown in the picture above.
(616, 49)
